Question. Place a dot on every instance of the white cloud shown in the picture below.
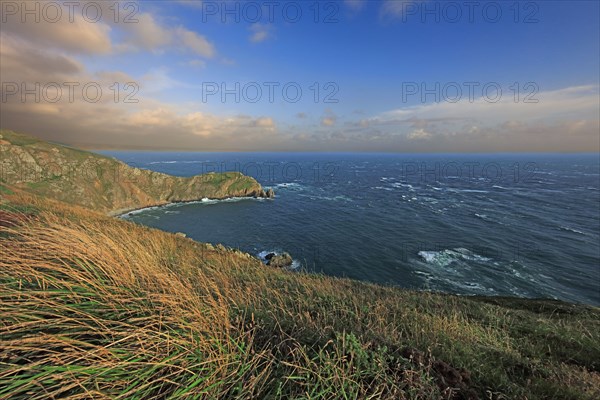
(265, 122)
(328, 121)
(260, 32)
(563, 120)
(78, 36)
(419, 134)
(22, 61)
(196, 43)
(571, 102)
(148, 34)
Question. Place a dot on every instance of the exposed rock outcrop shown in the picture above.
(268, 194)
(283, 260)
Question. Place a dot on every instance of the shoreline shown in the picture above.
(124, 211)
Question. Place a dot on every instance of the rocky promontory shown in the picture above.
(105, 184)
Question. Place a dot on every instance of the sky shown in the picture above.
(354, 75)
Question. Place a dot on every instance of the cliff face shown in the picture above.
(105, 184)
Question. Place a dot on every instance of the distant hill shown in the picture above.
(105, 184)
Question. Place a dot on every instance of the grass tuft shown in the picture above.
(94, 307)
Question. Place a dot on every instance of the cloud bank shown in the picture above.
(565, 119)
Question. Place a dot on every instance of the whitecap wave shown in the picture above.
(399, 185)
(566, 228)
(382, 188)
(326, 198)
(467, 190)
(483, 217)
(290, 185)
(446, 257)
(470, 287)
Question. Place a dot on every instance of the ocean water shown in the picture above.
(508, 224)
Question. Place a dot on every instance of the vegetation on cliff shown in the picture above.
(96, 307)
(105, 184)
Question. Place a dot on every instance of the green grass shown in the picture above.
(242, 184)
(5, 190)
(93, 307)
(18, 139)
(239, 182)
(17, 208)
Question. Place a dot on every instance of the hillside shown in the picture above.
(105, 184)
(96, 307)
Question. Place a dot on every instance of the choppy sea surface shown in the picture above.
(505, 224)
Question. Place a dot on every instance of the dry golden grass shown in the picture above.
(94, 307)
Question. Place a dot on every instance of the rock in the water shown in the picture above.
(181, 234)
(280, 260)
(269, 194)
(269, 256)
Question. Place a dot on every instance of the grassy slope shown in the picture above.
(93, 307)
(103, 183)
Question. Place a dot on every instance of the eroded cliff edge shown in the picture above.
(105, 184)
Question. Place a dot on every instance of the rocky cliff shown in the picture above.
(105, 184)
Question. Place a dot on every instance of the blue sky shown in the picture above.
(370, 52)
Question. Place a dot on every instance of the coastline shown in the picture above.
(124, 211)
(481, 342)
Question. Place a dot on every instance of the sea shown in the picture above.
(525, 225)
